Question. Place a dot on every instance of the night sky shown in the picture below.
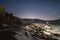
(38, 9)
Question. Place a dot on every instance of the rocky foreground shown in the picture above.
(26, 32)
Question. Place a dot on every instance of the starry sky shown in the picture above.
(34, 9)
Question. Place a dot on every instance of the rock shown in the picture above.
(7, 35)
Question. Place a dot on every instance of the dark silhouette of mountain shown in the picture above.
(55, 22)
(32, 20)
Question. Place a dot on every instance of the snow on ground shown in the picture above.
(22, 36)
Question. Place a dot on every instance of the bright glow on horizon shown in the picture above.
(45, 10)
(28, 15)
(32, 16)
